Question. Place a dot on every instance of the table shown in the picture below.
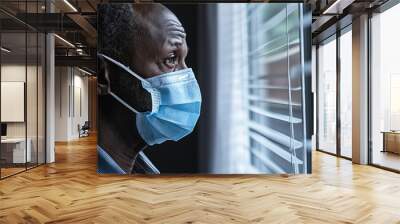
(13, 150)
(391, 141)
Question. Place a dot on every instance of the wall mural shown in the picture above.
(204, 88)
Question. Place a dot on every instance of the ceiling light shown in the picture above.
(338, 6)
(331, 7)
(84, 71)
(65, 41)
(5, 50)
(70, 5)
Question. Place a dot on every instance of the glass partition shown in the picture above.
(41, 105)
(22, 89)
(14, 145)
(31, 99)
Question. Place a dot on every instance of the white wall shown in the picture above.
(33, 126)
(61, 103)
(80, 98)
(16, 72)
(71, 93)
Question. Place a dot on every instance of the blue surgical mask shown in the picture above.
(176, 103)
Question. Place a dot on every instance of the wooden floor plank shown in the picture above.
(70, 191)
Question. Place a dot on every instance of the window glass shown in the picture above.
(346, 94)
(327, 96)
(385, 89)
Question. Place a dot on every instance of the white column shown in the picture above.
(50, 92)
(360, 90)
(50, 99)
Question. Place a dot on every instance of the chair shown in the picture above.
(84, 130)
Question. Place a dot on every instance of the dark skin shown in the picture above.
(165, 49)
(159, 47)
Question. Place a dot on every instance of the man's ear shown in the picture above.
(117, 79)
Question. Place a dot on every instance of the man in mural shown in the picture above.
(147, 94)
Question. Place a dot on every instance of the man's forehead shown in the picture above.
(166, 25)
(173, 26)
(167, 19)
(163, 27)
(173, 23)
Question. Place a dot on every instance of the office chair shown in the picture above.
(84, 130)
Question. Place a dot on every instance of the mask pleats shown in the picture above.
(179, 114)
(178, 102)
(146, 130)
(170, 130)
(180, 94)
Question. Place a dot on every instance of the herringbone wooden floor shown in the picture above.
(70, 191)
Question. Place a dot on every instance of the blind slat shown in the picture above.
(269, 145)
(275, 135)
(273, 115)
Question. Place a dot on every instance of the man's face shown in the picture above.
(165, 50)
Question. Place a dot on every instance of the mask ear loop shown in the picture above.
(127, 69)
(146, 84)
(123, 102)
(147, 165)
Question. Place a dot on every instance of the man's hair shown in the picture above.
(120, 31)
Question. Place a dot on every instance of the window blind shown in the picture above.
(274, 100)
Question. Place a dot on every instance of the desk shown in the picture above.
(13, 150)
(391, 141)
